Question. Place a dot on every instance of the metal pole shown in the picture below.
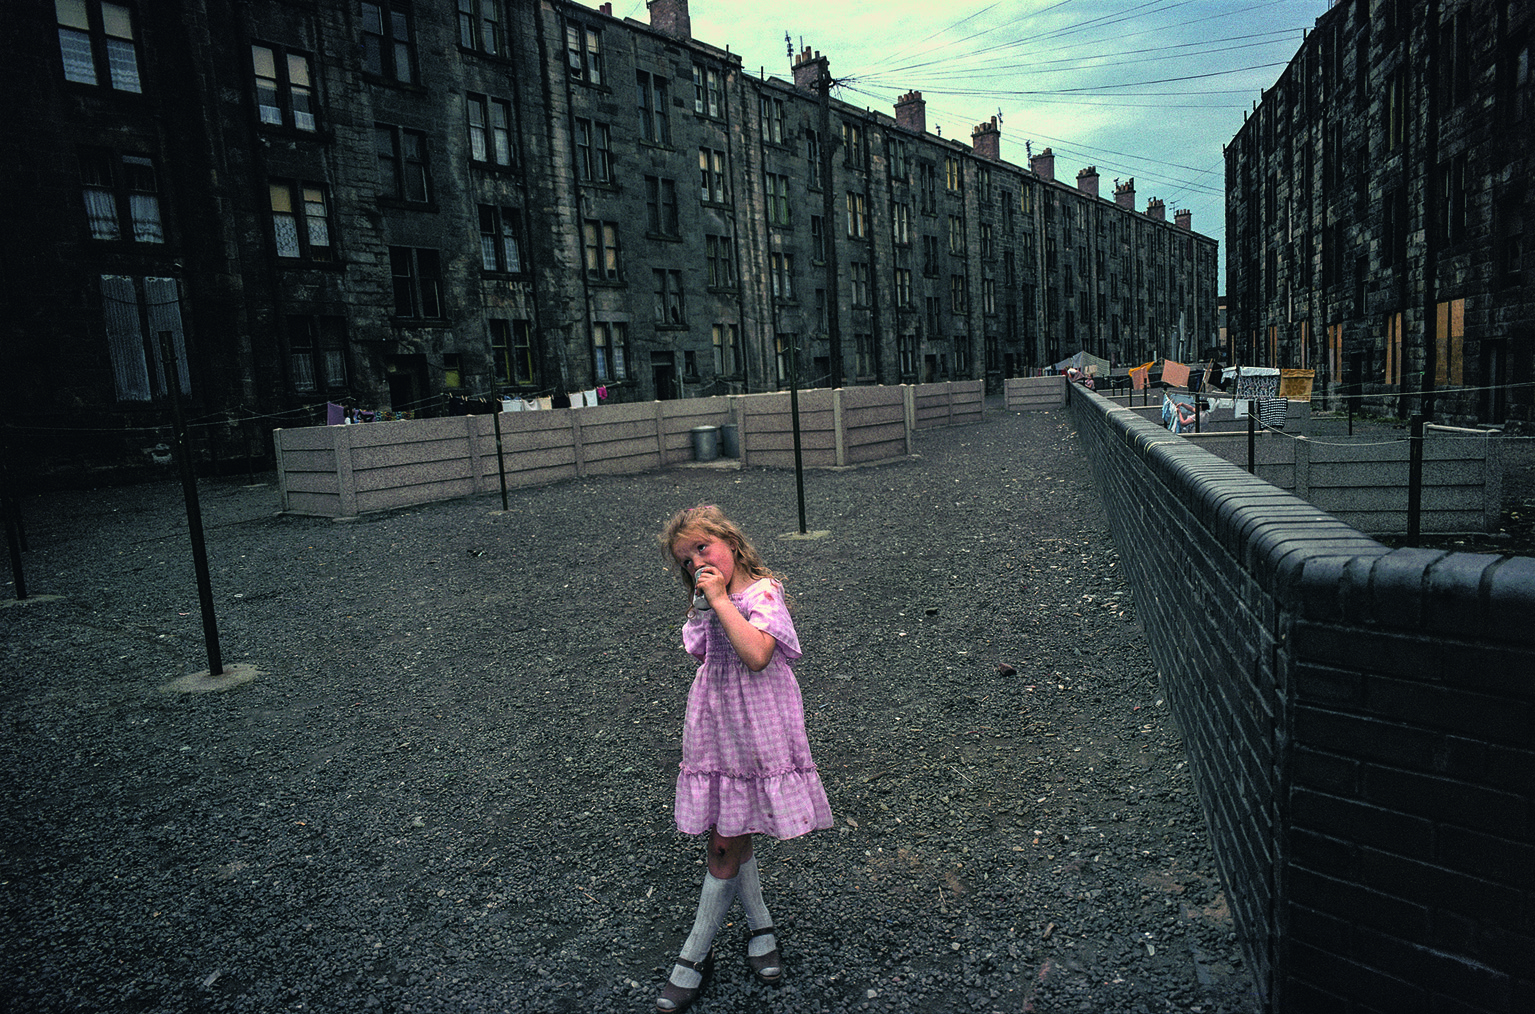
(15, 536)
(13, 540)
(500, 459)
(1252, 429)
(1415, 480)
(194, 512)
(799, 464)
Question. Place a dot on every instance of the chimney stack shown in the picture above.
(1156, 209)
(911, 112)
(986, 140)
(1087, 181)
(1124, 194)
(670, 17)
(606, 9)
(1182, 218)
(1043, 165)
(808, 68)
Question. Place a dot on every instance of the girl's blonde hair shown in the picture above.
(707, 519)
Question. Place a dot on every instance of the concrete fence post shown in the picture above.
(472, 438)
(838, 426)
(346, 482)
(909, 396)
(1302, 447)
(282, 471)
(1492, 480)
(576, 445)
(739, 413)
(660, 432)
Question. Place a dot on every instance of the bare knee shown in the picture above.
(727, 854)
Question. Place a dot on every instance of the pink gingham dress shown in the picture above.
(746, 765)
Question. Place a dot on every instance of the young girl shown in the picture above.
(746, 765)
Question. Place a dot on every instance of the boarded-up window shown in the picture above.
(136, 311)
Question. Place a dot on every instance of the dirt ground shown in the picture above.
(449, 788)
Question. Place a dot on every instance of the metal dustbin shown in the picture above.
(730, 440)
(706, 443)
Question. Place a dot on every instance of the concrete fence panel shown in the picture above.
(340, 471)
(1032, 394)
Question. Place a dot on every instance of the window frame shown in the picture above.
(400, 162)
(719, 257)
(137, 213)
(670, 307)
(387, 55)
(662, 213)
(857, 215)
(610, 351)
(712, 166)
(781, 275)
(104, 44)
(299, 210)
(773, 121)
(584, 54)
(322, 353)
(423, 288)
(283, 89)
(601, 257)
(494, 139)
(478, 33)
(511, 345)
(654, 115)
(779, 211)
(708, 91)
(594, 151)
(503, 240)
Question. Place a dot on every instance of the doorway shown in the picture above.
(663, 372)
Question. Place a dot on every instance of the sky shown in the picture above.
(1150, 89)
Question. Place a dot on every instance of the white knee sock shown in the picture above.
(749, 887)
(713, 902)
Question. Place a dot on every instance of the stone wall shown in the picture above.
(1360, 723)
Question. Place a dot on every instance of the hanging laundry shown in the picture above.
(546, 402)
(1272, 411)
(1257, 382)
(1174, 374)
(602, 392)
(1138, 378)
(335, 414)
(589, 398)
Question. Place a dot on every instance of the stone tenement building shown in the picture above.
(384, 202)
(1376, 206)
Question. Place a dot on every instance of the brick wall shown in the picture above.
(1360, 722)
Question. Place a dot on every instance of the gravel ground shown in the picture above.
(450, 789)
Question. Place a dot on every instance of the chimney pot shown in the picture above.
(1156, 209)
(1087, 181)
(670, 17)
(808, 69)
(1182, 218)
(1043, 164)
(606, 9)
(986, 140)
(911, 112)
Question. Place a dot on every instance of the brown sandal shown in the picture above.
(679, 997)
(772, 959)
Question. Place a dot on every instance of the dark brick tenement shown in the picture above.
(390, 203)
(1361, 725)
(1378, 209)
